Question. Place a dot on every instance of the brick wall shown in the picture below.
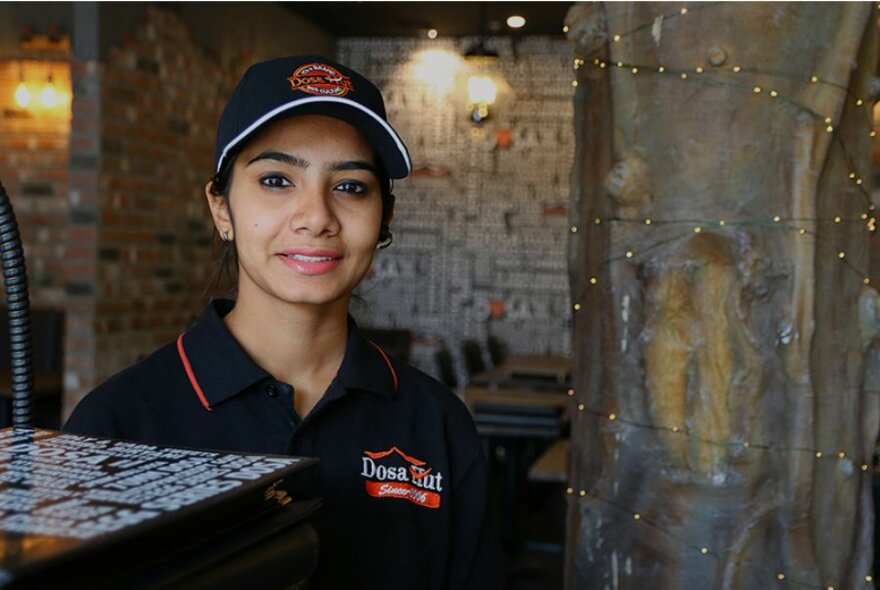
(33, 168)
(482, 226)
(160, 99)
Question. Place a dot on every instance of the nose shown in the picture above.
(313, 213)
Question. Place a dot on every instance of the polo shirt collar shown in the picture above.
(223, 369)
(366, 366)
(219, 363)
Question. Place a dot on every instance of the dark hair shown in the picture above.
(222, 182)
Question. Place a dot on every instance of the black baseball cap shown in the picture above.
(308, 84)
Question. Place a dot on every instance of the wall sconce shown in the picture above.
(43, 88)
(486, 85)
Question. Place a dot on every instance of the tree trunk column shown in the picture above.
(723, 424)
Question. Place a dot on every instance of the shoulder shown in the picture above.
(105, 410)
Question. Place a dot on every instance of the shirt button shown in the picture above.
(272, 390)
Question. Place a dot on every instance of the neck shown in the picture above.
(299, 344)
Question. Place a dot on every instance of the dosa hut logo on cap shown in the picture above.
(411, 479)
(320, 79)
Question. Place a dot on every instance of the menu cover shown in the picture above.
(92, 512)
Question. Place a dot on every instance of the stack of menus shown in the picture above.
(84, 512)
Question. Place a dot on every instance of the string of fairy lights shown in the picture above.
(738, 78)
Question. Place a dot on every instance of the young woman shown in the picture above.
(302, 198)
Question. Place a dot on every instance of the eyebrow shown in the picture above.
(292, 160)
(280, 157)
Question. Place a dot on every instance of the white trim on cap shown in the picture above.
(294, 103)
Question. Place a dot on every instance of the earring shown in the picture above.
(387, 238)
(226, 235)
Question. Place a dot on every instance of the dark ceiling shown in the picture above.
(455, 19)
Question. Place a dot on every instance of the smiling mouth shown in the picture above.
(304, 258)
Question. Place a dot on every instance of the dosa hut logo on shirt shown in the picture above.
(387, 476)
(320, 79)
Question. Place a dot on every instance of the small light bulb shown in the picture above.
(859, 181)
(582, 493)
(829, 129)
(869, 578)
(574, 229)
(866, 280)
(780, 576)
(574, 83)
(432, 33)
(577, 306)
(841, 455)
(684, 10)
(747, 444)
(637, 516)
(814, 79)
(704, 550)
(49, 96)
(595, 61)
(802, 231)
(721, 222)
(827, 120)
(602, 65)
(620, 64)
(565, 29)
(616, 38)
(629, 253)
(22, 95)
(841, 255)
(837, 219)
(699, 70)
(818, 454)
(648, 221)
(661, 69)
(581, 407)
(684, 76)
(635, 70)
(593, 280)
(612, 417)
(776, 218)
(597, 221)
(569, 490)
(570, 392)
(675, 429)
(757, 90)
(774, 94)
(852, 175)
(860, 102)
(864, 216)
(698, 229)
(872, 134)
(736, 69)
(516, 21)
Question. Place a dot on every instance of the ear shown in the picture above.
(219, 206)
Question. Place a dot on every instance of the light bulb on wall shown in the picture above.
(22, 95)
(485, 82)
(49, 97)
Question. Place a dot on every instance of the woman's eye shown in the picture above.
(275, 181)
(354, 188)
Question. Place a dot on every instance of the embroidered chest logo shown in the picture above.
(320, 79)
(394, 474)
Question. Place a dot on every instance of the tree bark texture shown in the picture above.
(725, 406)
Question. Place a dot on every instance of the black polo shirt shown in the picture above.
(401, 471)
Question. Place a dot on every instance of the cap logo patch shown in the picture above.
(395, 475)
(320, 79)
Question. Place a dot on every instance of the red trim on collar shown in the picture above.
(189, 373)
(387, 362)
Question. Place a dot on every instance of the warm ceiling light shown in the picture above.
(432, 33)
(49, 95)
(22, 95)
(516, 21)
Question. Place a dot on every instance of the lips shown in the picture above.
(311, 261)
